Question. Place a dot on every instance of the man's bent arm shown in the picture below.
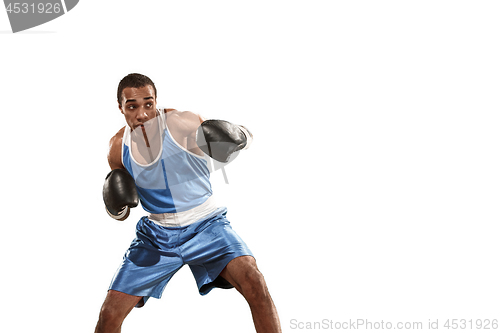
(115, 151)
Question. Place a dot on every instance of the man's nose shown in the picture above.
(142, 116)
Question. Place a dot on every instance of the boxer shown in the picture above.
(160, 161)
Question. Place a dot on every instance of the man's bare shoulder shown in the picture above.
(117, 138)
(115, 150)
(185, 121)
(119, 134)
(168, 110)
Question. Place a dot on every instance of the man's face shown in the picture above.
(138, 105)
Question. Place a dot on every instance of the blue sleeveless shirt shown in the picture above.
(177, 180)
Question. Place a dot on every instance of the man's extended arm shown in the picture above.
(217, 138)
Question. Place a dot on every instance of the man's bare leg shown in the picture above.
(115, 308)
(243, 274)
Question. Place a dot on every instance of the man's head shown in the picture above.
(137, 99)
(134, 80)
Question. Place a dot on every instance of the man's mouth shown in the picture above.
(139, 125)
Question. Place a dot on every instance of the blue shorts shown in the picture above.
(158, 252)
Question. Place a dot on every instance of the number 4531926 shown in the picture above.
(485, 324)
(24, 8)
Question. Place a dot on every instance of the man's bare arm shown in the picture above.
(115, 151)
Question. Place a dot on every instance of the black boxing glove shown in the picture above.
(119, 194)
(219, 139)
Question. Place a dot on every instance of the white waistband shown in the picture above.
(187, 217)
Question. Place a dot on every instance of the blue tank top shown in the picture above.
(176, 181)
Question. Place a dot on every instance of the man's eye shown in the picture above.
(131, 106)
(149, 105)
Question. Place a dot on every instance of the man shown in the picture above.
(159, 159)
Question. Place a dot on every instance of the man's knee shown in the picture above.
(116, 307)
(253, 286)
(110, 317)
(243, 274)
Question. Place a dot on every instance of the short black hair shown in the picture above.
(133, 80)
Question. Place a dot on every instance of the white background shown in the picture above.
(371, 190)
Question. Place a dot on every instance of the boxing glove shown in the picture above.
(219, 139)
(119, 194)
